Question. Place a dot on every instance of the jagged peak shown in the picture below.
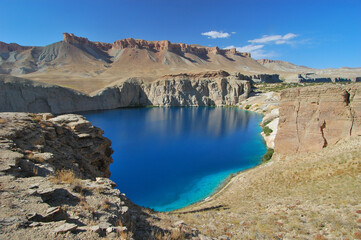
(72, 39)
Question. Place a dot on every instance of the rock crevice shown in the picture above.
(304, 113)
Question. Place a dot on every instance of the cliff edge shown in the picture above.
(204, 89)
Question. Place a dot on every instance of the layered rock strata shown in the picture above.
(20, 95)
(312, 118)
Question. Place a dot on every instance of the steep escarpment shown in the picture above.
(53, 184)
(312, 118)
(88, 66)
(19, 95)
(164, 45)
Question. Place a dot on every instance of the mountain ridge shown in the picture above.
(87, 66)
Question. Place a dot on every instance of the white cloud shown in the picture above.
(216, 34)
(259, 54)
(247, 48)
(278, 39)
(256, 48)
(256, 51)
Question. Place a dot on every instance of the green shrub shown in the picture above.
(267, 131)
(268, 155)
(247, 107)
(267, 122)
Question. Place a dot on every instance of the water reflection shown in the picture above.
(214, 122)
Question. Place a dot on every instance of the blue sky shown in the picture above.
(317, 33)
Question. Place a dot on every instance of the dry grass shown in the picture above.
(306, 196)
(36, 117)
(2, 121)
(36, 159)
(122, 235)
(64, 176)
(35, 171)
(106, 204)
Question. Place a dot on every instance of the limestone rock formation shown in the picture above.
(53, 185)
(206, 89)
(312, 118)
(63, 142)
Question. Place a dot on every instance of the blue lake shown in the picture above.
(168, 158)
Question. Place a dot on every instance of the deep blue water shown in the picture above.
(168, 158)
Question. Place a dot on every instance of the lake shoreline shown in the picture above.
(252, 105)
(215, 142)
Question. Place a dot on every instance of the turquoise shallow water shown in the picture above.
(168, 158)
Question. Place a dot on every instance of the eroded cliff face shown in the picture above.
(312, 118)
(50, 143)
(19, 95)
(164, 45)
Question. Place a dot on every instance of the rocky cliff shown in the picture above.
(10, 47)
(53, 184)
(206, 89)
(312, 118)
(156, 46)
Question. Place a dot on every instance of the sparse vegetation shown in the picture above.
(267, 131)
(106, 204)
(247, 107)
(276, 87)
(36, 159)
(266, 123)
(64, 176)
(277, 201)
(268, 155)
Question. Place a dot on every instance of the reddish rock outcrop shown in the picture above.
(164, 45)
(5, 47)
(312, 118)
(209, 74)
(72, 39)
(264, 61)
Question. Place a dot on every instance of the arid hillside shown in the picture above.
(88, 66)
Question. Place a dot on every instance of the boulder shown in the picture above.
(67, 227)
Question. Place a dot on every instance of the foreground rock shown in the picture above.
(312, 118)
(205, 89)
(53, 184)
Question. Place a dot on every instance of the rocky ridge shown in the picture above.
(312, 118)
(164, 45)
(10, 47)
(53, 185)
(207, 89)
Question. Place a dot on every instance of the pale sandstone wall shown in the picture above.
(312, 118)
(19, 95)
